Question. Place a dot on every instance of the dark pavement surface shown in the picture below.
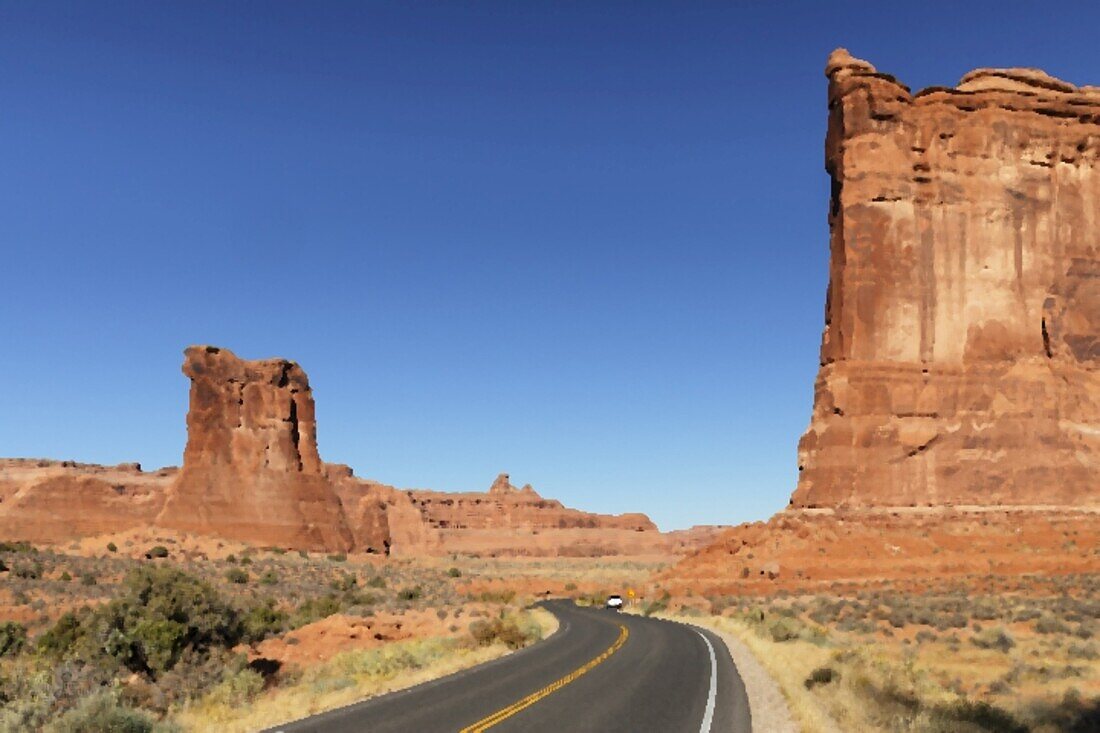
(658, 680)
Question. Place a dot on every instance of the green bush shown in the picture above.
(112, 547)
(13, 637)
(338, 557)
(65, 577)
(454, 573)
(157, 551)
(160, 614)
(238, 688)
(314, 609)
(269, 578)
(262, 621)
(103, 713)
(377, 582)
(236, 575)
(88, 579)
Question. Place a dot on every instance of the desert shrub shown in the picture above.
(65, 577)
(965, 716)
(344, 582)
(161, 613)
(783, 629)
(377, 582)
(314, 609)
(13, 637)
(269, 578)
(410, 594)
(237, 687)
(88, 579)
(512, 632)
(454, 573)
(63, 635)
(27, 570)
(236, 575)
(6, 546)
(1083, 651)
(103, 713)
(263, 620)
(1051, 625)
(507, 596)
(338, 557)
(157, 551)
(112, 547)
(570, 586)
(820, 676)
(998, 639)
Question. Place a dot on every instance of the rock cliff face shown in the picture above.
(960, 362)
(251, 470)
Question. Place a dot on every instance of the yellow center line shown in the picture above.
(534, 697)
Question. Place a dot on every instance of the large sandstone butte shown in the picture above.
(252, 473)
(251, 470)
(956, 420)
(960, 362)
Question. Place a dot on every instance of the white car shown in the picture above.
(615, 603)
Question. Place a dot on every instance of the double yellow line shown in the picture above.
(534, 697)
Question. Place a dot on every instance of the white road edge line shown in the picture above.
(708, 714)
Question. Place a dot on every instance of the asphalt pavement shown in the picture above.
(602, 671)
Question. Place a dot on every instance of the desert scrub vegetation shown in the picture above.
(950, 660)
(355, 675)
(146, 638)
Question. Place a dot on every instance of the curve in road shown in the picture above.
(602, 671)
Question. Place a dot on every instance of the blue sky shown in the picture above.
(584, 243)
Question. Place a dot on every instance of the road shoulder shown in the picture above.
(767, 705)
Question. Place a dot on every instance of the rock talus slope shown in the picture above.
(251, 470)
(960, 362)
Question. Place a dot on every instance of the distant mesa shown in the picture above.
(252, 472)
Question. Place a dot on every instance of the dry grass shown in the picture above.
(948, 661)
(343, 680)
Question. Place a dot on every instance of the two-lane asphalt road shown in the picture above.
(602, 671)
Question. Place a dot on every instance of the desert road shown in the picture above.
(602, 671)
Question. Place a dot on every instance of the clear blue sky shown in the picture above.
(581, 242)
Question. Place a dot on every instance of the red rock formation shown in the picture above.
(252, 473)
(382, 518)
(251, 470)
(55, 501)
(814, 549)
(502, 521)
(960, 362)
